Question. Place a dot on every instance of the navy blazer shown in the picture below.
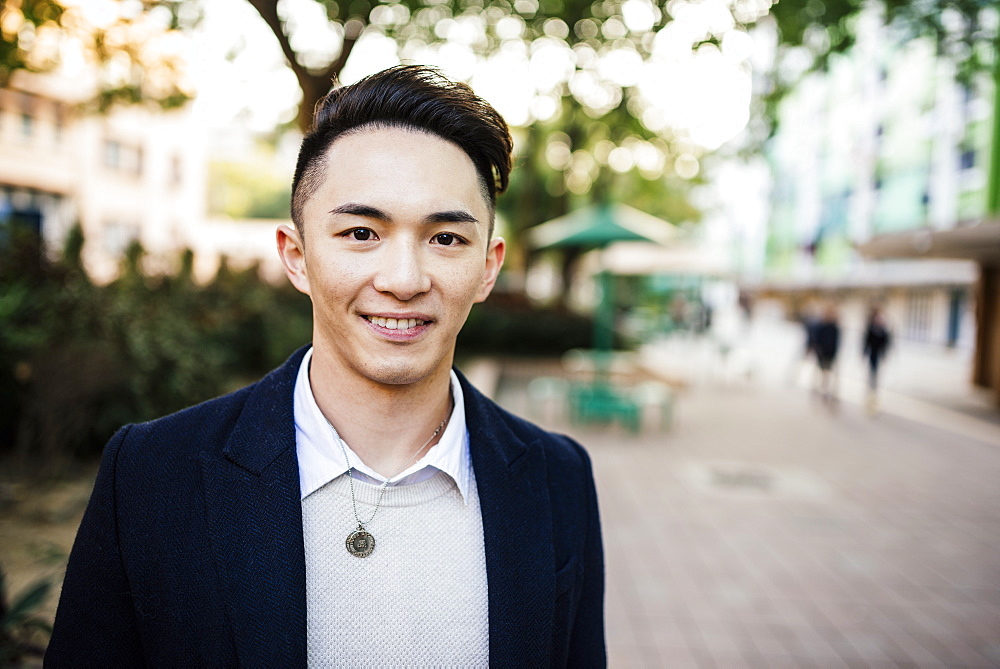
(190, 552)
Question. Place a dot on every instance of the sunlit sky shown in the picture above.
(239, 69)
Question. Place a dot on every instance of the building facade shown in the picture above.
(130, 174)
(882, 177)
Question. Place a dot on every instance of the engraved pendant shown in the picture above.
(360, 543)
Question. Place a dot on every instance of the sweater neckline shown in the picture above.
(413, 494)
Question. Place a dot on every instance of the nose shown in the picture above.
(401, 271)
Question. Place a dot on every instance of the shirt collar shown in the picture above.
(321, 460)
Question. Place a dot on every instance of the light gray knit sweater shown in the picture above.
(420, 598)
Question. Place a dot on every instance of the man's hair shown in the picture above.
(412, 97)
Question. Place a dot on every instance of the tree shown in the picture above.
(587, 69)
(133, 50)
(588, 31)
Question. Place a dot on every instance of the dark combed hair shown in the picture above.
(407, 96)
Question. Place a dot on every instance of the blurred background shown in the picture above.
(754, 266)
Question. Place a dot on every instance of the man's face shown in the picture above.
(397, 251)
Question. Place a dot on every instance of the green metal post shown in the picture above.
(604, 322)
(604, 326)
(993, 185)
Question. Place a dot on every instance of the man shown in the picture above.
(825, 343)
(876, 344)
(362, 504)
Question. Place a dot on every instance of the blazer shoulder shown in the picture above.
(559, 449)
(555, 444)
(216, 414)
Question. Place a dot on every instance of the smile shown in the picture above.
(395, 323)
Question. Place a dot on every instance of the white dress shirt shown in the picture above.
(321, 459)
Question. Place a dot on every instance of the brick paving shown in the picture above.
(765, 529)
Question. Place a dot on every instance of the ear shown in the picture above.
(494, 261)
(293, 257)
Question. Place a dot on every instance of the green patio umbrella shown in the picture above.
(595, 227)
(599, 225)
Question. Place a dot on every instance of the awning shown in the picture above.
(979, 241)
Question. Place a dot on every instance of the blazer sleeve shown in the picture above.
(95, 622)
(587, 645)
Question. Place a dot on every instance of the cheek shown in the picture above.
(462, 283)
(334, 275)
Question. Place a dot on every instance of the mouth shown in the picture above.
(396, 323)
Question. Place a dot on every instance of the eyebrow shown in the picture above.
(367, 211)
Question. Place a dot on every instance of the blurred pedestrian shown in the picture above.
(242, 531)
(825, 342)
(876, 344)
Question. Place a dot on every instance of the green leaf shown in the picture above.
(26, 603)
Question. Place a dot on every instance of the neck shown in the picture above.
(383, 424)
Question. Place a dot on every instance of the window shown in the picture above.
(967, 160)
(176, 171)
(120, 157)
(60, 124)
(918, 316)
(968, 94)
(111, 155)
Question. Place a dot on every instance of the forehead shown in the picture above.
(399, 168)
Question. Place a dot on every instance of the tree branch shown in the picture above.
(314, 85)
(268, 10)
(351, 35)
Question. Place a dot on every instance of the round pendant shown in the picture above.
(360, 543)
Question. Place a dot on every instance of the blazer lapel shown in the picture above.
(254, 513)
(517, 530)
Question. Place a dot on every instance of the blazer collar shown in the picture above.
(512, 480)
(266, 426)
(254, 519)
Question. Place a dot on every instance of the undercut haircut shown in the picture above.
(413, 97)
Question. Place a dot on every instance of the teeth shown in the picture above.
(395, 323)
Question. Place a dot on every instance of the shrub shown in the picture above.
(504, 325)
(78, 360)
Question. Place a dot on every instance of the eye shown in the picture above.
(361, 234)
(445, 239)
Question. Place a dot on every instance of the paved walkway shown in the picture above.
(769, 529)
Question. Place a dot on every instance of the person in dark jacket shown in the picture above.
(363, 504)
(876, 344)
(825, 343)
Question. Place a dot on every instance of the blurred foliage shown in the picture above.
(78, 360)
(248, 190)
(563, 164)
(135, 50)
(507, 324)
(594, 100)
(959, 27)
(21, 629)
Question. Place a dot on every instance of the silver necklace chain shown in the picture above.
(385, 484)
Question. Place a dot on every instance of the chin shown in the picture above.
(398, 374)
